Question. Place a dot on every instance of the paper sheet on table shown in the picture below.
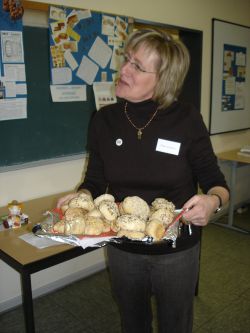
(38, 242)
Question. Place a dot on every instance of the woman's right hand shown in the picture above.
(64, 200)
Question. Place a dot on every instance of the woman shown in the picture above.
(151, 145)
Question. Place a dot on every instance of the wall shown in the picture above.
(197, 14)
(39, 181)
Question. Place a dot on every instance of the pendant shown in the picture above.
(139, 134)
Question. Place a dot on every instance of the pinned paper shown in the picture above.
(57, 13)
(68, 93)
(61, 75)
(87, 70)
(71, 33)
(70, 60)
(100, 52)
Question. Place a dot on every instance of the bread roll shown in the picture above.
(107, 197)
(106, 226)
(82, 202)
(131, 234)
(114, 226)
(59, 227)
(136, 206)
(94, 226)
(73, 213)
(75, 227)
(163, 203)
(109, 210)
(131, 222)
(95, 213)
(164, 215)
(155, 229)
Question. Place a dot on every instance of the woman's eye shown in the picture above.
(137, 67)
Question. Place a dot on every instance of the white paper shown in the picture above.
(10, 89)
(87, 70)
(104, 94)
(100, 52)
(15, 108)
(230, 85)
(108, 25)
(14, 72)
(240, 95)
(68, 93)
(12, 46)
(240, 59)
(38, 242)
(167, 146)
(57, 13)
(83, 14)
(21, 89)
(61, 75)
(70, 60)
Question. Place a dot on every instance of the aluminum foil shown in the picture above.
(45, 229)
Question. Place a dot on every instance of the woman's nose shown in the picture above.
(125, 67)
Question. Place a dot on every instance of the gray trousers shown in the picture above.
(171, 278)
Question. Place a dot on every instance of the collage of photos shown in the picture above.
(85, 48)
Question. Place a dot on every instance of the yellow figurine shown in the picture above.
(15, 218)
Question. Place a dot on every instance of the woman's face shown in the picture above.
(138, 76)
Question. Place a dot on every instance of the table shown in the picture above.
(26, 260)
(235, 161)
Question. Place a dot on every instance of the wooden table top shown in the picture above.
(232, 155)
(23, 252)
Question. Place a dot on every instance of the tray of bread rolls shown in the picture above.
(103, 219)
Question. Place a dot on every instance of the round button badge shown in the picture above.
(118, 142)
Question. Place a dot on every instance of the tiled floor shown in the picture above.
(222, 305)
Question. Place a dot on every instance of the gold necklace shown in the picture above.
(139, 129)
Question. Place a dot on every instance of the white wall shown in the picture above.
(35, 182)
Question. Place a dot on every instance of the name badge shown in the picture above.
(168, 147)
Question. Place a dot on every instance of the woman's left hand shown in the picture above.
(200, 208)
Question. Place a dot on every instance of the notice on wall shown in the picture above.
(13, 88)
(234, 78)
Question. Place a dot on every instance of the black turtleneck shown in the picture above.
(128, 166)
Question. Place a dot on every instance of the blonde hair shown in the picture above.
(172, 65)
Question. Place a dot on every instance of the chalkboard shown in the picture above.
(51, 130)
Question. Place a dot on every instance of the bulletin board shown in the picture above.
(51, 130)
(230, 85)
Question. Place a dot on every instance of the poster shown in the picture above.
(13, 88)
(234, 77)
(85, 47)
(230, 84)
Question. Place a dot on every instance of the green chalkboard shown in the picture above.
(51, 130)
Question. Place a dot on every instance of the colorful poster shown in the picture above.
(85, 47)
(234, 77)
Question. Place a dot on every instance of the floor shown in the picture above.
(222, 305)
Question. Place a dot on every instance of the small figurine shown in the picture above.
(15, 218)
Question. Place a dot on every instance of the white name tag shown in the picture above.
(169, 147)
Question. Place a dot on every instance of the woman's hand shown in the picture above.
(200, 208)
